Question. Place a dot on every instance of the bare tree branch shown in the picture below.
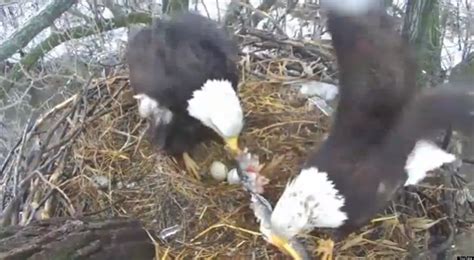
(233, 12)
(33, 27)
(265, 6)
(73, 33)
(116, 10)
(83, 238)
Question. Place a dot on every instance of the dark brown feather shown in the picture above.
(380, 116)
(171, 59)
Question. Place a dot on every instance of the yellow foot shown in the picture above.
(191, 166)
(325, 249)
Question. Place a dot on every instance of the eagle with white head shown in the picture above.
(184, 72)
(380, 137)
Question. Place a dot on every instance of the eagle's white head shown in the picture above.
(218, 107)
(309, 201)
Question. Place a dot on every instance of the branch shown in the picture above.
(233, 12)
(116, 10)
(7, 2)
(81, 238)
(33, 27)
(78, 32)
(264, 7)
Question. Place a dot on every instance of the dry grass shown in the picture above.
(97, 136)
(145, 184)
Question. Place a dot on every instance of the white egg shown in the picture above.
(233, 177)
(218, 171)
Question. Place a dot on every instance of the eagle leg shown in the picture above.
(325, 249)
(191, 166)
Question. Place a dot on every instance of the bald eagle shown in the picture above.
(380, 138)
(184, 73)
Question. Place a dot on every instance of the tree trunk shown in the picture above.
(421, 28)
(62, 238)
(173, 6)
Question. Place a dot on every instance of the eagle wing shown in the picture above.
(377, 81)
(376, 72)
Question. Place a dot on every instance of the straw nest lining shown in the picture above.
(214, 218)
(91, 158)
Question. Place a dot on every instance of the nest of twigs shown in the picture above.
(89, 156)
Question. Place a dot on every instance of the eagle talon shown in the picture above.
(191, 166)
(325, 249)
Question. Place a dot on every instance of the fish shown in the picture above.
(248, 168)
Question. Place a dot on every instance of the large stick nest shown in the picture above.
(89, 156)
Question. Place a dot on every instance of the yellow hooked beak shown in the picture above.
(233, 145)
(285, 246)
